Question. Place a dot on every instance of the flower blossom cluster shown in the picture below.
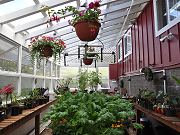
(43, 40)
(8, 89)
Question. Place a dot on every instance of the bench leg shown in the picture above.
(37, 124)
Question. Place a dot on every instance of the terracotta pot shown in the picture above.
(87, 61)
(47, 51)
(87, 30)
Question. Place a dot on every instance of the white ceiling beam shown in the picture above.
(37, 33)
(109, 23)
(106, 33)
(38, 22)
(65, 24)
(5, 1)
(31, 10)
(104, 12)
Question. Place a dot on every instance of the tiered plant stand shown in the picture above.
(9, 125)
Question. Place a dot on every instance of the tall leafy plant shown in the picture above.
(83, 79)
(89, 114)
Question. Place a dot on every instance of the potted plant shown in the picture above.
(94, 80)
(44, 46)
(63, 85)
(148, 73)
(90, 114)
(83, 79)
(88, 56)
(16, 108)
(85, 22)
(7, 91)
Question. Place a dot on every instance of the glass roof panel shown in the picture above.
(14, 6)
(74, 4)
(27, 19)
(37, 28)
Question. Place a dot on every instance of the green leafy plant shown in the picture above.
(94, 79)
(148, 73)
(83, 79)
(176, 79)
(39, 43)
(91, 53)
(91, 13)
(89, 114)
(121, 83)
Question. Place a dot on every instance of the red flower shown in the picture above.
(91, 5)
(96, 4)
(8, 89)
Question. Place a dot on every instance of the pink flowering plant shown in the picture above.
(39, 43)
(7, 90)
(90, 13)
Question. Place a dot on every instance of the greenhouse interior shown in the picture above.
(89, 67)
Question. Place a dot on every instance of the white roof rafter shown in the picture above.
(104, 12)
(37, 33)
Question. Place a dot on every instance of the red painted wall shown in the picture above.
(113, 71)
(147, 50)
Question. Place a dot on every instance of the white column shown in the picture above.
(51, 82)
(19, 69)
(44, 73)
(34, 80)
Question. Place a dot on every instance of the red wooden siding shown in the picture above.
(113, 71)
(147, 50)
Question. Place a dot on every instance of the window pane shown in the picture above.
(5, 80)
(26, 85)
(161, 13)
(120, 51)
(8, 56)
(174, 9)
(48, 68)
(40, 69)
(47, 83)
(127, 44)
(27, 66)
(39, 83)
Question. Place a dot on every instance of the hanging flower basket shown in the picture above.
(85, 22)
(47, 51)
(87, 61)
(87, 30)
(45, 46)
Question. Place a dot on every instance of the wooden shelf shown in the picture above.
(172, 122)
(14, 122)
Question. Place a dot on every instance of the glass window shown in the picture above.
(174, 9)
(161, 14)
(4, 80)
(8, 56)
(47, 83)
(48, 69)
(39, 83)
(40, 69)
(120, 50)
(127, 44)
(27, 66)
(167, 14)
(26, 85)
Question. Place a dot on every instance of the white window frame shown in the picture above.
(169, 23)
(120, 51)
(128, 33)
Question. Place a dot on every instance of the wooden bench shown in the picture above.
(172, 122)
(14, 122)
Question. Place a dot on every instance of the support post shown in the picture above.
(37, 124)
